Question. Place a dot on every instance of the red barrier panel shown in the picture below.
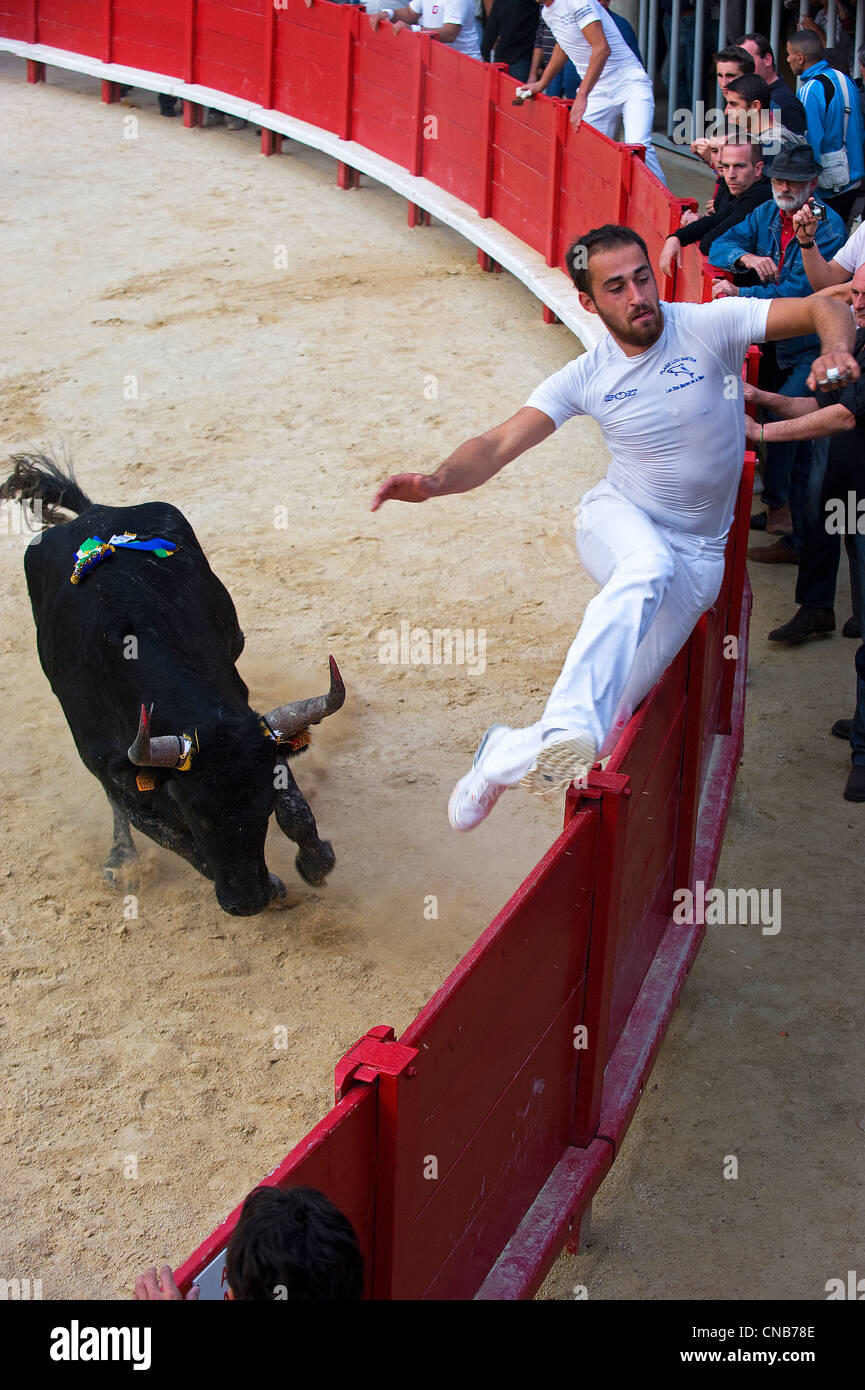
(77, 25)
(493, 1098)
(338, 1158)
(463, 1153)
(18, 20)
(139, 42)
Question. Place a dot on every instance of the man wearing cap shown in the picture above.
(766, 242)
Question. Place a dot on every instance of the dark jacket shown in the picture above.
(514, 24)
(760, 234)
(728, 211)
(791, 108)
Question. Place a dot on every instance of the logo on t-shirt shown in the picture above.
(619, 395)
(678, 368)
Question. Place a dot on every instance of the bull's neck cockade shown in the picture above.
(91, 551)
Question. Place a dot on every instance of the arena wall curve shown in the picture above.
(466, 1153)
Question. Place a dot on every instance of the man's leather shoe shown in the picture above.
(779, 522)
(808, 622)
(852, 627)
(779, 553)
(855, 788)
(758, 521)
(841, 728)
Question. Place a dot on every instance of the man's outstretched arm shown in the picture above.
(473, 463)
(834, 326)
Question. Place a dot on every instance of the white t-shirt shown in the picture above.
(568, 19)
(435, 13)
(673, 416)
(852, 253)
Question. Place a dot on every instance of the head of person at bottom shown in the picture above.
(857, 295)
(794, 176)
(610, 269)
(293, 1244)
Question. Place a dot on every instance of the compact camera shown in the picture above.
(816, 211)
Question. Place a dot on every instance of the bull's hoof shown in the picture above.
(315, 866)
(280, 892)
(120, 876)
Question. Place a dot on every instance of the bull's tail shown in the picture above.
(39, 483)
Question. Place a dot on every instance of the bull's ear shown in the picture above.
(164, 751)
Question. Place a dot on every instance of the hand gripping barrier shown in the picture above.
(467, 1152)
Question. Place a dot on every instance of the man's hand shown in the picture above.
(535, 87)
(403, 487)
(805, 221)
(578, 108)
(152, 1286)
(753, 395)
(842, 364)
(688, 216)
(399, 25)
(752, 430)
(721, 288)
(671, 254)
(764, 266)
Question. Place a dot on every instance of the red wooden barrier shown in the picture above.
(338, 1158)
(466, 1152)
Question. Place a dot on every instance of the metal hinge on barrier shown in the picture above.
(375, 1054)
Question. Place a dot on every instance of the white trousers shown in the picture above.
(657, 581)
(635, 105)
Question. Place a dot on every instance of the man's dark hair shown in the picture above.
(753, 145)
(293, 1244)
(752, 88)
(735, 55)
(605, 238)
(764, 48)
(807, 42)
(860, 55)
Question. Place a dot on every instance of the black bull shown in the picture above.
(139, 630)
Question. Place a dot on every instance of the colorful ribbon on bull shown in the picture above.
(94, 549)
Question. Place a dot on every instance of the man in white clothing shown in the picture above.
(614, 84)
(449, 21)
(665, 387)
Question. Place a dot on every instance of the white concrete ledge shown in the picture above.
(551, 286)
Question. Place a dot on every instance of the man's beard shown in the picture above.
(789, 205)
(640, 333)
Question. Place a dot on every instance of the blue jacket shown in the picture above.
(760, 234)
(826, 124)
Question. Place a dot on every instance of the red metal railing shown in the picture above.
(465, 1153)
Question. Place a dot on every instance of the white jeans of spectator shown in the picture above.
(635, 105)
(657, 581)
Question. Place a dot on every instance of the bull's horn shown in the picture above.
(286, 720)
(164, 751)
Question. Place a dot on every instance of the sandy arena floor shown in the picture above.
(142, 1095)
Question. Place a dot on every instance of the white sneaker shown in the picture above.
(560, 763)
(474, 796)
